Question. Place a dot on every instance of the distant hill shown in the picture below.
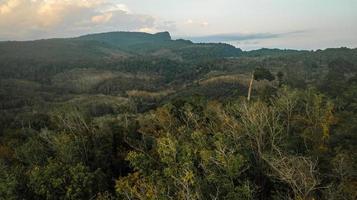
(56, 50)
(111, 45)
(273, 52)
(127, 39)
(154, 44)
(20, 59)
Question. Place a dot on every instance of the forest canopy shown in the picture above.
(141, 116)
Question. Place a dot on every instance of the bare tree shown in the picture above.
(297, 171)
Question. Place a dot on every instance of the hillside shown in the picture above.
(125, 115)
(104, 45)
(52, 56)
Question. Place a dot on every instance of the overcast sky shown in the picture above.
(248, 24)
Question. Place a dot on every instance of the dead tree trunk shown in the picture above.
(250, 86)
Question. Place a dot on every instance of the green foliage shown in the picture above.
(8, 183)
(189, 160)
(34, 152)
(262, 73)
(60, 181)
(141, 116)
(206, 150)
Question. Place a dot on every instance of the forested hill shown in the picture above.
(21, 59)
(141, 116)
(128, 38)
(113, 45)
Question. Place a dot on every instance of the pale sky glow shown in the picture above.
(249, 24)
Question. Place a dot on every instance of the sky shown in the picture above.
(248, 24)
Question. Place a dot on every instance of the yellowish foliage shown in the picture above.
(135, 185)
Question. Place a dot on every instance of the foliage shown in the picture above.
(262, 73)
(142, 116)
(58, 181)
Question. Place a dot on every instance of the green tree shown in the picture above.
(192, 158)
(61, 181)
(259, 74)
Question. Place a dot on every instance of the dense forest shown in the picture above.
(125, 115)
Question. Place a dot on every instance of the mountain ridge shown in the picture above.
(113, 45)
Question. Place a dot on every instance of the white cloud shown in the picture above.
(8, 6)
(147, 30)
(102, 18)
(170, 26)
(34, 19)
(204, 24)
(192, 22)
(189, 21)
(118, 6)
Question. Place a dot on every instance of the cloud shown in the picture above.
(166, 26)
(147, 30)
(204, 23)
(229, 37)
(189, 21)
(192, 22)
(34, 19)
(102, 18)
(114, 7)
(8, 6)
